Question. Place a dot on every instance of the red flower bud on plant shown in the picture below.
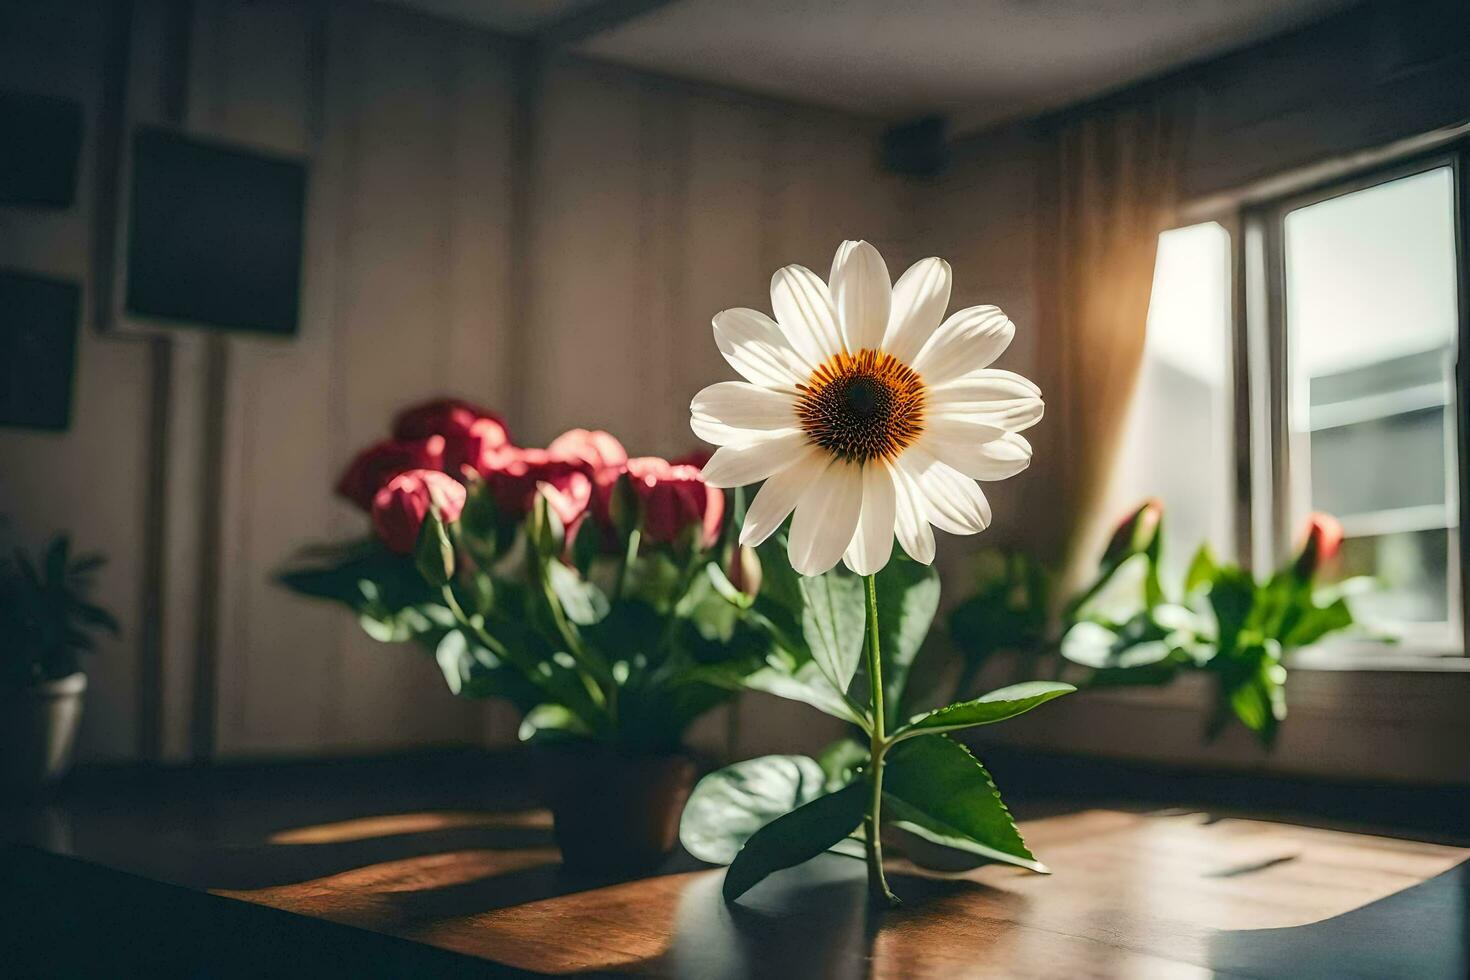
(1322, 543)
(605, 459)
(371, 469)
(569, 502)
(743, 569)
(465, 447)
(675, 498)
(442, 417)
(1136, 533)
(400, 507)
(513, 474)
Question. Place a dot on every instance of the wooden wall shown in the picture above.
(559, 257)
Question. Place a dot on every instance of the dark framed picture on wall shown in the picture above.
(38, 348)
(40, 144)
(215, 235)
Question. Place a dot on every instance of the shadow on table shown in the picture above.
(1421, 932)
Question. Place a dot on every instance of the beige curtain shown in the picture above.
(1109, 187)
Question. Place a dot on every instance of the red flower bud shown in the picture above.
(1322, 543)
(675, 498)
(1136, 533)
(513, 475)
(604, 458)
(465, 447)
(442, 417)
(400, 507)
(372, 468)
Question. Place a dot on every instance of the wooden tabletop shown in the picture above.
(1138, 891)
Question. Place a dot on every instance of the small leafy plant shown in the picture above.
(1126, 628)
(846, 645)
(46, 616)
(586, 588)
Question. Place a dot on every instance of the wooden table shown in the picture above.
(435, 867)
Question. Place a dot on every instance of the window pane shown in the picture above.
(1371, 321)
(1180, 409)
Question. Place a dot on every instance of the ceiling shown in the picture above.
(979, 62)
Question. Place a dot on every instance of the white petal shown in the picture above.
(756, 349)
(998, 398)
(803, 308)
(970, 339)
(912, 518)
(736, 466)
(739, 405)
(720, 434)
(982, 458)
(861, 292)
(778, 496)
(953, 501)
(872, 544)
(826, 517)
(919, 299)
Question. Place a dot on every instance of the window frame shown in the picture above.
(1261, 368)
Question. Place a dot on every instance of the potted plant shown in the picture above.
(586, 588)
(1129, 627)
(47, 623)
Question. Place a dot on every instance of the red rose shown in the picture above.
(569, 501)
(1323, 542)
(675, 498)
(513, 474)
(605, 459)
(372, 468)
(465, 447)
(441, 417)
(400, 507)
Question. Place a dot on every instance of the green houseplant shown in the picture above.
(1130, 627)
(47, 621)
(585, 588)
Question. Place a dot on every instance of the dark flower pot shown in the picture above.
(614, 813)
(38, 732)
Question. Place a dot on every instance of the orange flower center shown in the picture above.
(862, 406)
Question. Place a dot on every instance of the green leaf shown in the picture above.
(908, 597)
(808, 685)
(582, 601)
(1202, 570)
(1233, 599)
(796, 837)
(551, 723)
(728, 806)
(942, 791)
(434, 554)
(842, 761)
(1314, 622)
(986, 709)
(833, 622)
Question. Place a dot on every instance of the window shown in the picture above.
(1333, 387)
(1369, 285)
(1181, 401)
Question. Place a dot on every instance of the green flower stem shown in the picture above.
(878, 745)
(630, 555)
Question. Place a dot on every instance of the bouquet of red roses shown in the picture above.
(591, 590)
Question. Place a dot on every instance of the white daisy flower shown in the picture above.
(863, 413)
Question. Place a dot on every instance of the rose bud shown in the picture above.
(372, 468)
(1137, 532)
(464, 448)
(400, 507)
(512, 474)
(605, 459)
(569, 503)
(674, 499)
(441, 417)
(1322, 543)
(743, 569)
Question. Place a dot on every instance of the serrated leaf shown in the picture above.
(987, 709)
(795, 837)
(833, 621)
(729, 805)
(944, 784)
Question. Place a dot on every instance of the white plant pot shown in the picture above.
(38, 732)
